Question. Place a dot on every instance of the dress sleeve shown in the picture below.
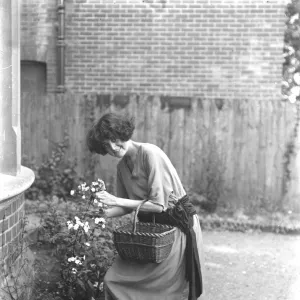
(159, 188)
(121, 191)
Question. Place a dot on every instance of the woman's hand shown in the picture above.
(107, 198)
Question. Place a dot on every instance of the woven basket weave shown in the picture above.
(144, 242)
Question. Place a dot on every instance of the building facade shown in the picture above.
(218, 48)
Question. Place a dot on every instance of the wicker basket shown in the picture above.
(144, 242)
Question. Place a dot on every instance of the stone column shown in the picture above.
(14, 179)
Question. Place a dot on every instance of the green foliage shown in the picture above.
(82, 241)
(291, 81)
(209, 182)
(291, 53)
(54, 176)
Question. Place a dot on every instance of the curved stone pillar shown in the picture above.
(14, 179)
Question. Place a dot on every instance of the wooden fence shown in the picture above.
(235, 147)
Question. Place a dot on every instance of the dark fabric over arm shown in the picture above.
(181, 216)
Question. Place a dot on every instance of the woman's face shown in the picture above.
(116, 148)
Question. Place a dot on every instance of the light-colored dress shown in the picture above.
(155, 178)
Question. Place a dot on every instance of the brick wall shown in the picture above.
(216, 48)
(38, 35)
(11, 218)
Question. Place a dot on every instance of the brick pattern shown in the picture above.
(218, 48)
(11, 218)
(38, 35)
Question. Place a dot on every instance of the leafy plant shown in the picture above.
(209, 182)
(291, 83)
(55, 176)
(83, 247)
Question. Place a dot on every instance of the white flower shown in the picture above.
(297, 78)
(71, 259)
(100, 286)
(292, 98)
(74, 271)
(290, 49)
(88, 244)
(83, 197)
(285, 54)
(86, 227)
(291, 69)
(72, 192)
(70, 224)
(295, 90)
(294, 18)
(93, 189)
(78, 221)
(103, 226)
(76, 226)
(78, 262)
(99, 220)
(285, 83)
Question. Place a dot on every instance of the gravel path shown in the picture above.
(251, 266)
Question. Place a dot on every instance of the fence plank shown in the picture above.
(228, 149)
(163, 128)
(189, 143)
(176, 138)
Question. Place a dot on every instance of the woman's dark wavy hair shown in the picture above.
(111, 127)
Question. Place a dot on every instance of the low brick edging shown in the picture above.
(12, 222)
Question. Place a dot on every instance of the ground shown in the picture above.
(251, 266)
(242, 266)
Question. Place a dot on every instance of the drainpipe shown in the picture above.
(61, 47)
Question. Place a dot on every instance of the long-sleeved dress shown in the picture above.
(153, 177)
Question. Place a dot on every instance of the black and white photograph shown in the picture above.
(149, 149)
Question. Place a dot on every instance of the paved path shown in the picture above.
(251, 266)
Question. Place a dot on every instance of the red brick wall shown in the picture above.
(217, 48)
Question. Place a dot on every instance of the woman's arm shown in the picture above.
(117, 212)
(123, 206)
(133, 204)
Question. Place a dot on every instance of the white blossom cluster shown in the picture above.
(83, 188)
(291, 82)
(101, 221)
(77, 260)
(77, 224)
(100, 286)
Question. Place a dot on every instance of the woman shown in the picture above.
(145, 172)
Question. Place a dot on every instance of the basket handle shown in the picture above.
(136, 214)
